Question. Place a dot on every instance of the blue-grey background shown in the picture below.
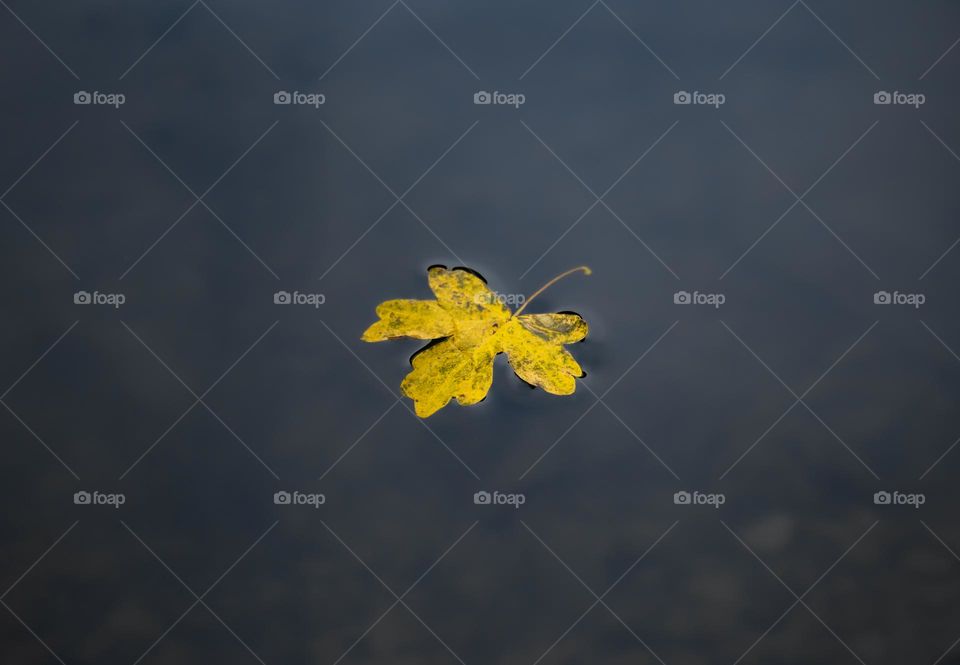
(296, 187)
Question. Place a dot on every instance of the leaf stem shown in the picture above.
(584, 269)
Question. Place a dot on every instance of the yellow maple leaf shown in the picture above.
(470, 325)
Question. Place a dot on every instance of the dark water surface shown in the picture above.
(197, 199)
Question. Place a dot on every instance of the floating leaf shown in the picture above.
(470, 325)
